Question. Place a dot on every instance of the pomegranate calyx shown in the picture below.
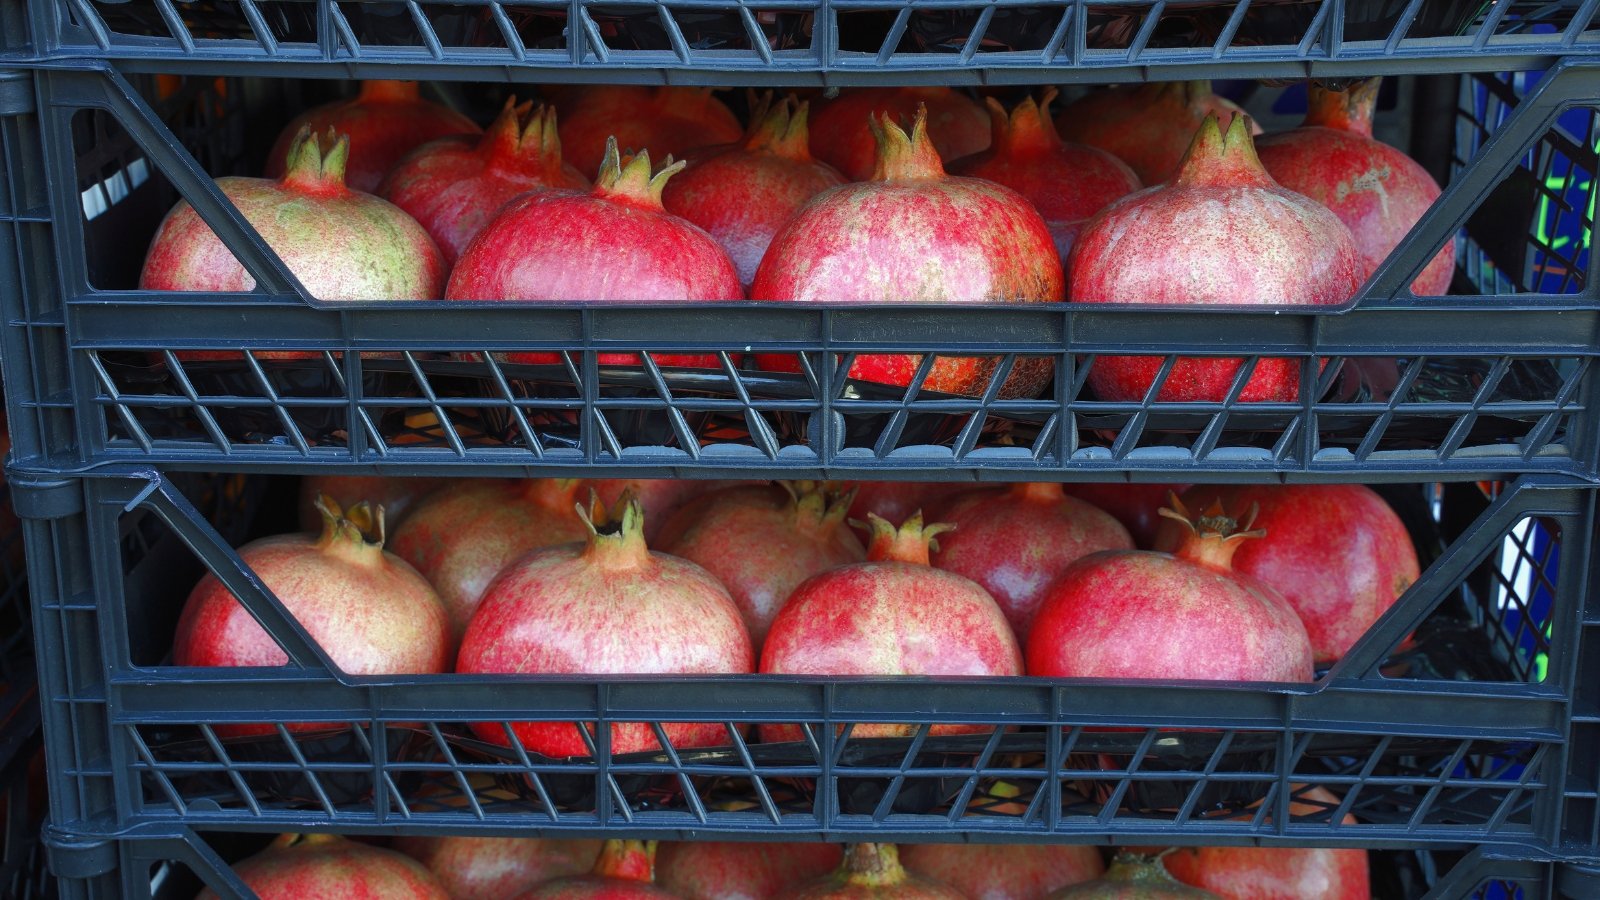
(524, 134)
(1028, 128)
(1212, 537)
(1048, 492)
(1135, 868)
(316, 166)
(627, 860)
(902, 155)
(616, 540)
(1348, 110)
(628, 179)
(780, 129)
(818, 506)
(555, 494)
(911, 542)
(1219, 158)
(345, 532)
(382, 91)
(872, 865)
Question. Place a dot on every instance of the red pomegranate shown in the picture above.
(301, 866)
(842, 129)
(1136, 506)
(1133, 877)
(658, 497)
(462, 536)
(1066, 183)
(1222, 232)
(1147, 126)
(490, 868)
(668, 121)
(1184, 615)
(614, 244)
(366, 608)
(1015, 541)
(624, 871)
(1336, 552)
(728, 870)
(872, 872)
(607, 606)
(342, 244)
(395, 495)
(454, 186)
(743, 193)
(897, 500)
(1374, 189)
(761, 542)
(913, 234)
(385, 121)
(892, 615)
(1004, 871)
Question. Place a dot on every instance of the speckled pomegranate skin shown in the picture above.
(328, 866)
(897, 500)
(840, 136)
(1134, 505)
(663, 120)
(395, 495)
(491, 868)
(1336, 552)
(1147, 126)
(1003, 871)
(623, 871)
(736, 870)
(872, 872)
(1133, 879)
(1273, 873)
(658, 497)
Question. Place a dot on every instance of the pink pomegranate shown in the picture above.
(914, 234)
(842, 129)
(658, 497)
(615, 244)
(1004, 871)
(455, 185)
(1374, 189)
(491, 868)
(624, 871)
(1136, 506)
(1336, 552)
(1066, 183)
(1184, 615)
(872, 872)
(668, 121)
(892, 615)
(1015, 541)
(727, 870)
(366, 608)
(1133, 877)
(1273, 873)
(385, 121)
(462, 536)
(743, 193)
(761, 542)
(1147, 126)
(897, 500)
(302, 866)
(395, 495)
(340, 243)
(1222, 232)
(606, 606)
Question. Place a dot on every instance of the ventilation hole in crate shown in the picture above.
(697, 32)
(430, 25)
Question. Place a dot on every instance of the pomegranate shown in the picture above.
(606, 606)
(669, 121)
(1336, 552)
(614, 244)
(491, 868)
(1147, 126)
(913, 234)
(385, 121)
(892, 615)
(1004, 871)
(366, 608)
(1133, 877)
(299, 866)
(342, 244)
(1221, 232)
(1374, 189)
(623, 872)
(743, 193)
(1136, 506)
(395, 495)
(1015, 541)
(897, 500)
(461, 536)
(761, 542)
(1184, 615)
(727, 870)
(454, 186)
(869, 872)
(1066, 183)
(658, 497)
(842, 129)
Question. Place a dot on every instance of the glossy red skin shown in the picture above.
(665, 120)
(1003, 871)
(735, 870)
(556, 611)
(897, 500)
(489, 868)
(335, 868)
(755, 543)
(396, 495)
(1149, 127)
(595, 887)
(1138, 614)
(840, 137)
(1136, 506)
(1016, 541)
(1374, 189)
(912, 888)
(462, 536)
(660, 497)
(1336, 552)
(384, 124)
(1273, 873)
(368, 610)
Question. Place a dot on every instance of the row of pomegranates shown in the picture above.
(465, 868)
(521, 576)
(888, 195)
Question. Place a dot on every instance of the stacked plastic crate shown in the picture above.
(1475, 748)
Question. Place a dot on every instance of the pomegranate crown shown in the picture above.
(317, 165)
(350, 527)
(1138, 868)
(902, 155)
(1213, 536)
(627, 860)
(1218, 158)
(628, 178)
(1348, 110)
(1027, 127)
(616, 540)
(911, 542)
(818, 505)
(779, 128)
(871, 865)
(525, 136)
